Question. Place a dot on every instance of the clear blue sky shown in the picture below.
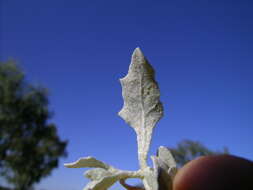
(201, 51)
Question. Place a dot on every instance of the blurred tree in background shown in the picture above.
(29, 145)
(187, 150)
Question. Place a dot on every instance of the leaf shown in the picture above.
(87, 162)
(164, 168)
(102, 184)
(96, 174)
(166, 157)
(142, 107)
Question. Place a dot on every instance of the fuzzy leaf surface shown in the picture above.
(102, 184)
(87, 162)
(96, 174)
(142, 107)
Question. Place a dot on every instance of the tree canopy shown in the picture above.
(187, 150)
(29, 145)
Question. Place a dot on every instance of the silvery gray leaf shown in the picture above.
(165, 155)
(165, 167)
(102, 184)
(87, 162)
(142, 107)
(96, 174)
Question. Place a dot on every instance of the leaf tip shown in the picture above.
(68, 165)
(137, 52)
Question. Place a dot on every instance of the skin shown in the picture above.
(223, 172)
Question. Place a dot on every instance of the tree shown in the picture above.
(188, 150)
(29, 145)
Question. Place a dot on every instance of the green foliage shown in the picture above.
(29, 144)
(188, 150)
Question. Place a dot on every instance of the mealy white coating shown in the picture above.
(142, 109)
